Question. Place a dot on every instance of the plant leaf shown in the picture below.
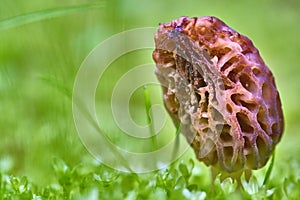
(268, 173)
(44, 14)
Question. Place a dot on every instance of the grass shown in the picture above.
(42, 45)
(42, 15)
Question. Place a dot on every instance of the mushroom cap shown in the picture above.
(216, 85)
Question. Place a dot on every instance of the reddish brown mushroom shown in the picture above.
(216, 85)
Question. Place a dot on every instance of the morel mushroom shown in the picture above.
(216, 85)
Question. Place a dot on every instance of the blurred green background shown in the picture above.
(39, 61)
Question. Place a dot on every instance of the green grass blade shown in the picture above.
(149, 116)
(109, 145)
(177, 141)
(268, 173)
(57, 84)
(44, 14)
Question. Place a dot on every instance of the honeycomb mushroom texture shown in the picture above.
(216, 85)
